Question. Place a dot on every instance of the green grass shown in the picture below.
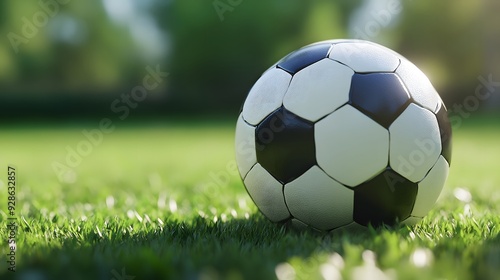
(145, 202)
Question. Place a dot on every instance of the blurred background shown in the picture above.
(65, 60)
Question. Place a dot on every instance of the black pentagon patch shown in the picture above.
(285, 145)
(304, 57)
(381, 96)
(446, 133)
(385, 199)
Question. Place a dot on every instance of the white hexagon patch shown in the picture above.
(246, 156)
(267, 193)
(364, 57)
(430, 188)
(319, 201)
(266, 95)
(419, 86)
(415, 143)
(350, 146)
(318, 89)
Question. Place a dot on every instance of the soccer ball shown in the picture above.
(343, 133)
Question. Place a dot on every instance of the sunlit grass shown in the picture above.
(165, 201)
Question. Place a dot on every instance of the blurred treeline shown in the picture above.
(62, 59)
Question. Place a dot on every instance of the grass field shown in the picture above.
(164, 202)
